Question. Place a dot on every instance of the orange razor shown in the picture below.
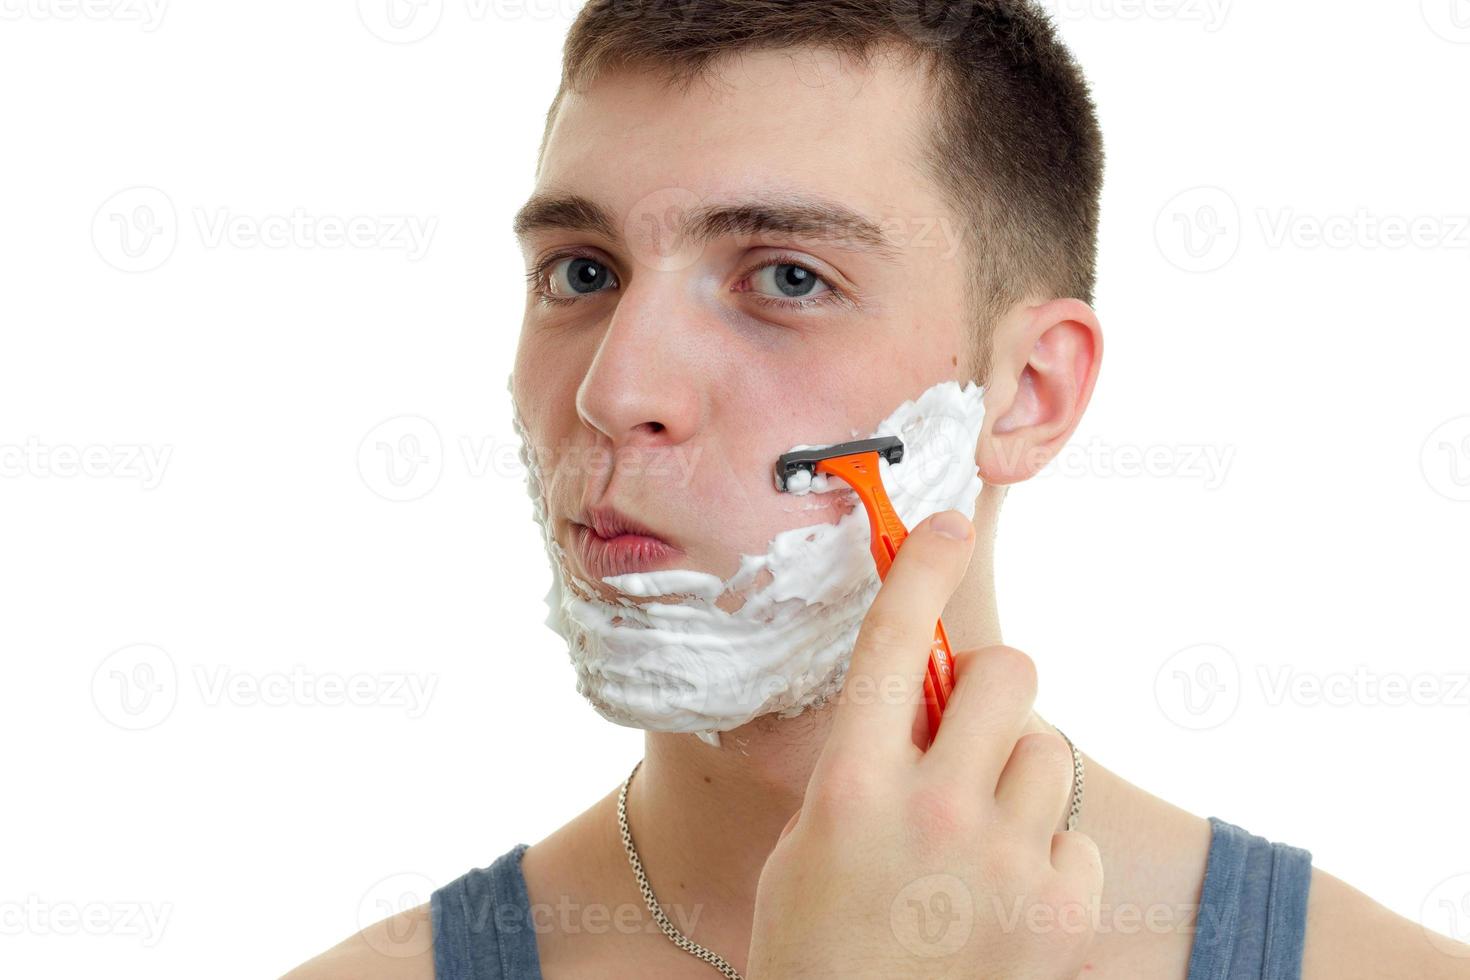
(856, 463)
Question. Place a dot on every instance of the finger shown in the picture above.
(884, 685)
(1035, 787)
(790, 826)
(987, 712)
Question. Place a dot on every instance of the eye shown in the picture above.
(562, 279)
(789, 281)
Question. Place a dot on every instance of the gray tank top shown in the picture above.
(1251, 924)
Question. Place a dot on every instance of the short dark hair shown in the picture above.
(1015, 144)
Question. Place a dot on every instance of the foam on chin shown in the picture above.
(688, 665)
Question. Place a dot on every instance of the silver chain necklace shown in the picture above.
(715, 959)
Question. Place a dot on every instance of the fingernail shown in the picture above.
(952, 524)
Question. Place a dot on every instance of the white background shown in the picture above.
(1273, 481)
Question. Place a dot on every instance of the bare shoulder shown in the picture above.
(400, 947)
(1350, 936)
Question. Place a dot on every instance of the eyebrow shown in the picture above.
(813, 218)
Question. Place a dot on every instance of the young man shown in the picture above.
(763, 224)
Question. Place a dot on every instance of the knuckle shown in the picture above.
(1008, 667)
(1086, 868)
(1066, 900)
(1043, 750)
(1009, 869)
(937, 816)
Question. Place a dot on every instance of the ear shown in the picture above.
(1044, 363)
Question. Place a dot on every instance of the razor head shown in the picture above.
(806, 460)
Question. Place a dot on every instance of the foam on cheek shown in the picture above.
(689, 665)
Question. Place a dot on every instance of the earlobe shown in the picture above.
(1042, 382)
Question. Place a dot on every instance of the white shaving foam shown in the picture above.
(687, 665)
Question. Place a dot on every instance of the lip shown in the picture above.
(610, 543)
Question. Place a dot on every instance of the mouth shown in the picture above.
(608, 542)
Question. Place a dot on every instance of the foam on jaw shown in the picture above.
(688, 665)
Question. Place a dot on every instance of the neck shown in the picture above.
(715, 813)
(704, 820)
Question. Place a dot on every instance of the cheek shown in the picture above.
(735, 483)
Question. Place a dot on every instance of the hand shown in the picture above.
(907, 863)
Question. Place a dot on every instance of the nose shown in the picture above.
(642, 387)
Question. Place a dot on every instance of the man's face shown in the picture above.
(680, 362)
